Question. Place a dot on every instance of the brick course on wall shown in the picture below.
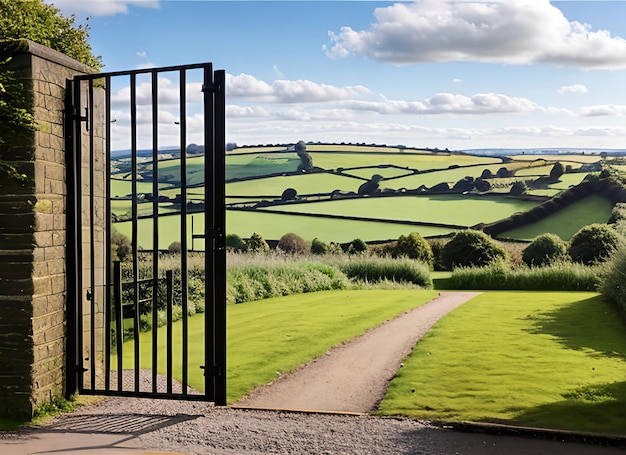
(33, 284)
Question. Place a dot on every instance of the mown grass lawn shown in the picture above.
(545, 359)
(273, 336)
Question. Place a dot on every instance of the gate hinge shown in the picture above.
(214, 371)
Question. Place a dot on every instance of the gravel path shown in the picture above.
(354, 376)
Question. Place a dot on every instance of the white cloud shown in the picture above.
(603, 110)
(450, 103)
(286, 91)
(499, 31)
(146, 62)
(576, 89)
(101, 7)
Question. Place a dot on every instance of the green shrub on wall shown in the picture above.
(613, 286)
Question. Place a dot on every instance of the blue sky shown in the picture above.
(457, 74)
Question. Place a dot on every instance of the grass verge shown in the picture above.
(559, 362)
(273, 336)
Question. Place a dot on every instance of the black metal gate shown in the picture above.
(145, 161)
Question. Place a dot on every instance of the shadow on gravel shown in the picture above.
(135, 424)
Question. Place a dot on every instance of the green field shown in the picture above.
(268, 171)
(444, 209)
(566, 222)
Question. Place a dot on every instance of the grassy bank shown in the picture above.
(558, 362)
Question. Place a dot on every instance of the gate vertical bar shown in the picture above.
(107, 235)
(183, 226)
(92, 236)
(135, 234)
(209, 224)
(155, 226)
(72, 248)
(219, 332)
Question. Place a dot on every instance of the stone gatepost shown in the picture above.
(33, 282)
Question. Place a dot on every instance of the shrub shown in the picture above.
(175, 248)
(557, 170)
(436, 246)
(593, 243)
(256, 244)
(376, 269)
(289, 195)
(121, 247)
(613, 283)
(357, 246)
(414, 246)
(470, 248)
(293, 244)
(318, 247)
(235, 243)
(518, 188)
(558, 276)
(544, 250)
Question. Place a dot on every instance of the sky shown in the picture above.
(456, 74)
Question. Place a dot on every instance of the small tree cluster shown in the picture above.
(256, 244)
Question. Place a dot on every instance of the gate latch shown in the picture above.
(214, 370)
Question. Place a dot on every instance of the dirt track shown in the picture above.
(354, 377)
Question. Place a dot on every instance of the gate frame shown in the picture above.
(213, 88)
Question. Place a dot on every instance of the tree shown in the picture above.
(44, 24)
(318, 247)
(594, 243)
(235, 243)
(557, 170)
(357, 246)
(518, 188)
(415, 247)
(293, 244)
(289, 195)
(470, 248)
(121, 247)
(256, 244)
(544, 250)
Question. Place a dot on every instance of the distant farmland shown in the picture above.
(374, 193)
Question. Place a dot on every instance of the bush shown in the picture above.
(558, 276)
(518, 188)
(436, 246)
(293, 244)
(544, 250)
(235, 243)
(613, 283)
(256, 244)
(415, 247)
(375, 270)
(593, 243)
(318, 247)
(357, 246)
(470, 248)
(121, 247)
(175, 248)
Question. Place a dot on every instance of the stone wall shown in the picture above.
(33, 285)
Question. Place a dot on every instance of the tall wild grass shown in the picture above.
(562, 276)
